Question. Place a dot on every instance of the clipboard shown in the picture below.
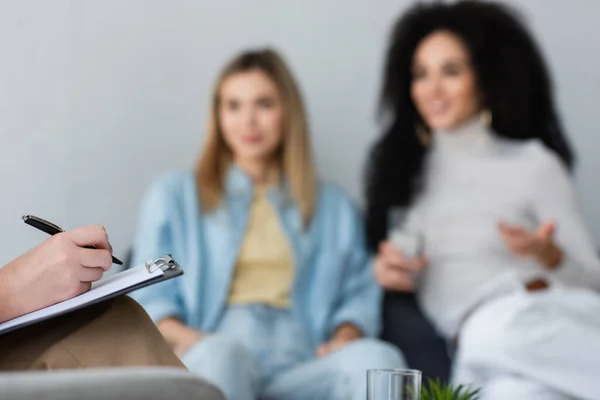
(146, 274)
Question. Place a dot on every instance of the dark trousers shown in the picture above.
(405, 326)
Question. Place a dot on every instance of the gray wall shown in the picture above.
(99, 97)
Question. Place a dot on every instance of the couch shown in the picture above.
(139, 383)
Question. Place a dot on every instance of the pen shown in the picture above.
(52, 229)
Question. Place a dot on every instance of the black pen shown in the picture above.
(52, 229)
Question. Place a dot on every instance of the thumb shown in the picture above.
(546, 230)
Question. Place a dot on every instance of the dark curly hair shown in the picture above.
(510, 72)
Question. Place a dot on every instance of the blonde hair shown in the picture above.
(294, 157)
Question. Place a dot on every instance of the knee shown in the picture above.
(122, 317)
(220, 352)
(128, 304)
(227, 348)
(477, 339)
(492, 333)
(126, 308)
(131, 319)
(373, 353)
(226, 363)
(119, 333)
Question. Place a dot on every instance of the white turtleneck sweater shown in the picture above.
(473, 180)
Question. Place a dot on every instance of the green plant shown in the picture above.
(436, 390)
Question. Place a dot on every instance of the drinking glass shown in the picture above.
(393, 384)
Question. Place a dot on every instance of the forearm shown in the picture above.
(360, 309)
(574, 258)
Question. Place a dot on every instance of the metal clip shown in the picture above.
(164, 263)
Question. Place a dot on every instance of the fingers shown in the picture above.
(95, 258)
(510, 230)
(395, 272)
(519, 244)
(84, 287)
(89, 275)
(393, 257)
(517, 238)
(546, 230)
(93, 235)
(524, 242)
(391, 254)
(414, 264)
(399, 280)
(394, 279)
(331, 346)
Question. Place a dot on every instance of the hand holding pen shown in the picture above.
(58, 269)
(53, 229)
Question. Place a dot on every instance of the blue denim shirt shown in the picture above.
(333, 283)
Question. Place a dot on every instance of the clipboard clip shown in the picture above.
(164, 263)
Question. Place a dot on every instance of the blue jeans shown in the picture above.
(263, 353)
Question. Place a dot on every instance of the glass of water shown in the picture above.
(393, 384)
(408, 241)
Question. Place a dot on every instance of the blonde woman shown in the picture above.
(278, 300)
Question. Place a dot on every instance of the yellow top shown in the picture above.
(265, 268)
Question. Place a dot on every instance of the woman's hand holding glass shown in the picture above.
(396, 272)
(400, 259)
